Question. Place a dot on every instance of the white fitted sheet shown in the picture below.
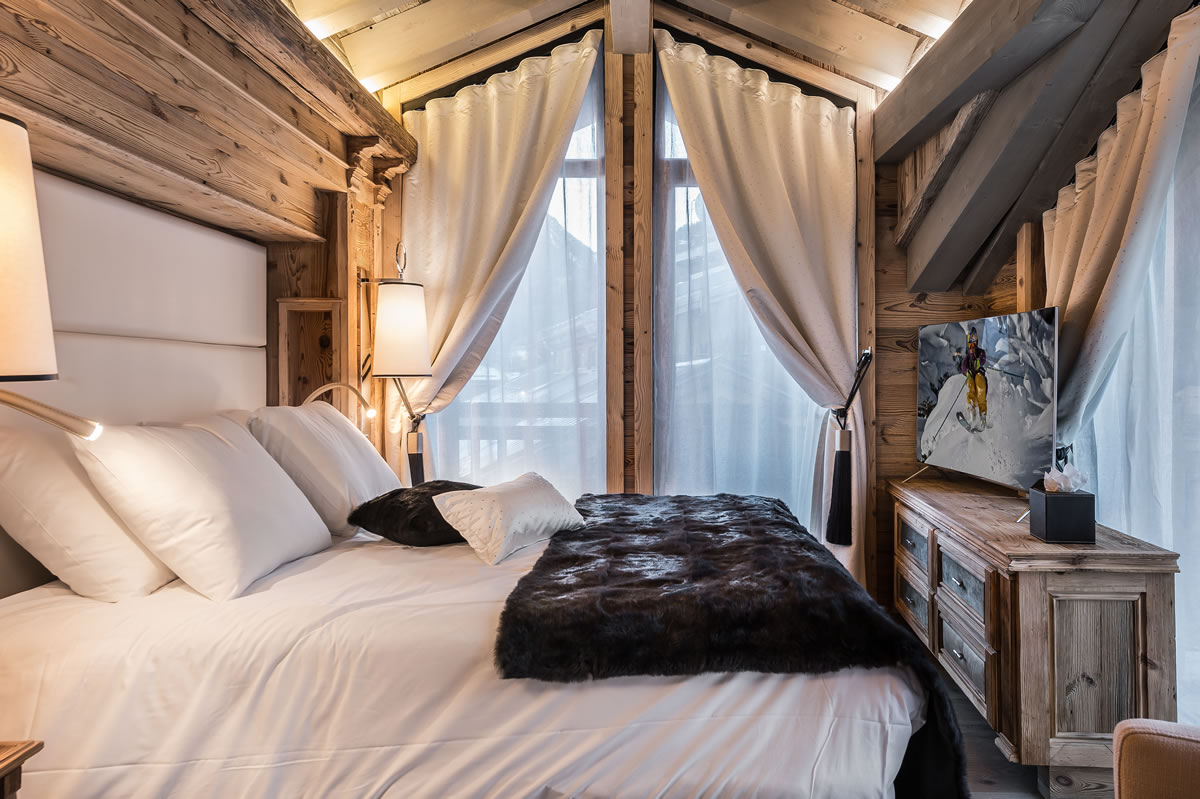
(366, 670)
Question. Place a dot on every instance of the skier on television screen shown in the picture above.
(973, 365)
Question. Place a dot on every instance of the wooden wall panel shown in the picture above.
(898, 314)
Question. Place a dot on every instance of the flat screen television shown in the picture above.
(986, 393)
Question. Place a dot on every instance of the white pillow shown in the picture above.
(499, 520)
(327, 456)
(206, 499)
(50, 507)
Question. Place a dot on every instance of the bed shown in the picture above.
(366, 670)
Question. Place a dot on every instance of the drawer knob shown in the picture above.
(908, 542)
(958, 582)
(957, 654)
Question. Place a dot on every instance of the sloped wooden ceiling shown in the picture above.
(385, 42)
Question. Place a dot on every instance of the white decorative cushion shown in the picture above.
(50, 507)
(327, 456)
(504, 518)
(206, 499)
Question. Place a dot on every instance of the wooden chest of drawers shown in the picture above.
(1054, 644)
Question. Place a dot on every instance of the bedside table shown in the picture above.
(13, 755)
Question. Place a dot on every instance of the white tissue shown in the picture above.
(1067, 480)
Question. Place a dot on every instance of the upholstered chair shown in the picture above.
(1156, 759)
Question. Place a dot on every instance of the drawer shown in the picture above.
(965, 658)
(912, 536)
(963, 583)
(912, 601)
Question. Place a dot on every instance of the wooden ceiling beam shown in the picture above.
(275, 39)
(842, 37)
(990, 44)
(1004, 154)
(129, 118)
(229, 69)
(950, 143)
(1141, 36)
(630, 24)
(753, 50)
(60, 146)
(327, 18)
(927, 17)
(486, 58)
(94, 39)
(437, 32)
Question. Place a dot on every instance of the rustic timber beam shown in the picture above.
(62, 146)
(927, 17)
(630, 25)
(754, 50)
(275, 39)
(988, 46)
(614, 267)
(1031, 267)
(1142, 35)
(486, 58)
(1005, 152)
(92, 39)
(859, 45)
(954, 141)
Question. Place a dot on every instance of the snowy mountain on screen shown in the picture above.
(1018, 443)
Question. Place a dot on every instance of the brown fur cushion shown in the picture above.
(409, 515)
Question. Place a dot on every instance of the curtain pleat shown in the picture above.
(776, 169)
(473, 208)
(1100, 237)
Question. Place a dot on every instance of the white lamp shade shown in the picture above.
(26, 333)
(401, 331)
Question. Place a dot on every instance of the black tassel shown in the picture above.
(838, 527)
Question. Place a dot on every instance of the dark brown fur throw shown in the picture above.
(683, 585)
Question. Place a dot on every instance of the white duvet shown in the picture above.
(366, 671)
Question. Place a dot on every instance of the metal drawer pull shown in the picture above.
(908, 601)
(957, 654)
(958, 582)
(908, 542)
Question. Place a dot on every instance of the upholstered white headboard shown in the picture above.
(156, 319)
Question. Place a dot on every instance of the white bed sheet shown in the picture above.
(366, 671)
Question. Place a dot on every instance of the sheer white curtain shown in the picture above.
(1143, 444)
(536, 401)
(727, 415)
(474, 205)
(777, 172)
(1121, 259)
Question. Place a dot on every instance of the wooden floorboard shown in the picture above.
(989, 774)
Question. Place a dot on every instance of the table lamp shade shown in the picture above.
(401, 331)
(26, 333)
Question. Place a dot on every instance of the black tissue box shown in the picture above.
(1062, 518)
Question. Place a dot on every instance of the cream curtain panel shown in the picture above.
(1101, 236)
(473, 209)
(776, 169)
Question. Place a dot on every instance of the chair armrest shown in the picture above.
(1153, 759)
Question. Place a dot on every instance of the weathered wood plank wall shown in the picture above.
(898, 314)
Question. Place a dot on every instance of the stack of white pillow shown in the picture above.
(220, 504)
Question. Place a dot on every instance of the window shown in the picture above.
(536, 402)
(727, 415)
(1143, 445)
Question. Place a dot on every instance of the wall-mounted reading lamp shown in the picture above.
(362, 400)
(401, 348)
(26, 333)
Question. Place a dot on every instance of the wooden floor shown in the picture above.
(989, 773)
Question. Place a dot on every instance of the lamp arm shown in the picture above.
(331, 386)
(417, 418)
(75, 425)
